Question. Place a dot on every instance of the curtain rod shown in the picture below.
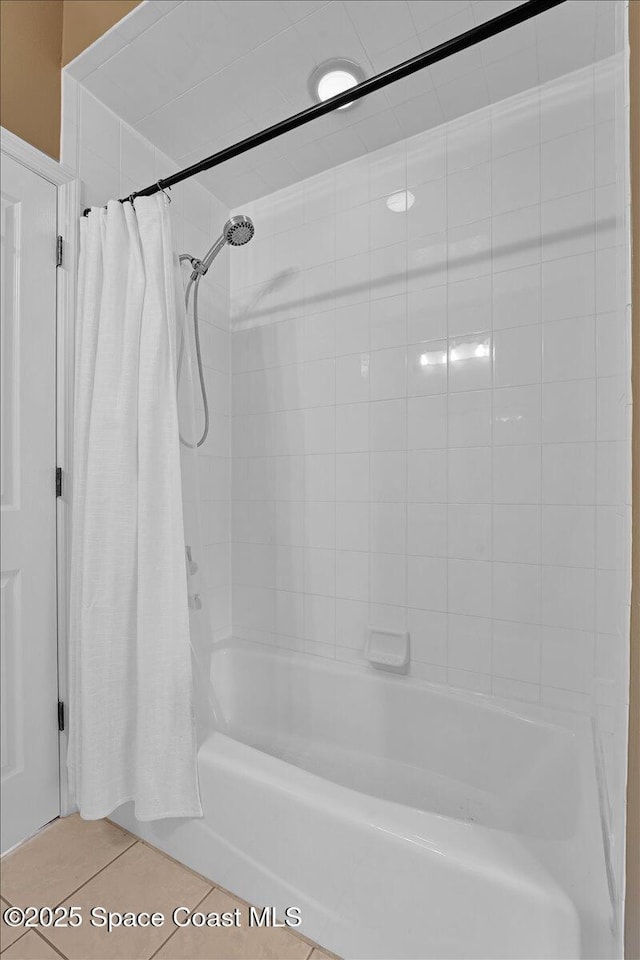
(525, 11)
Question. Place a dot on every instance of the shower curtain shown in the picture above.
(132, 731)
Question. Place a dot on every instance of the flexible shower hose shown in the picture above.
(196, 333)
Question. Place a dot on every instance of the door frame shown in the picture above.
(67, 218)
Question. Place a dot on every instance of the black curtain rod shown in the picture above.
(527, 10)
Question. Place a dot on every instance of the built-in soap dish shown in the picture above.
(387, 650)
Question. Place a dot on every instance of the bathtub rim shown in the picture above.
(548, 717)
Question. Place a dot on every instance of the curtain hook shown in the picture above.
(163, 190)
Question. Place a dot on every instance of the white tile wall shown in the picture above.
(430, 401)
(420, 419)
(112, 160)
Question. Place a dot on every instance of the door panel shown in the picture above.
(29, 772)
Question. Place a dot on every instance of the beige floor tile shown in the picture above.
(45, 870)
(141, 879)
(30, 947)
(321, 955)
(7, 934)
(232, 943)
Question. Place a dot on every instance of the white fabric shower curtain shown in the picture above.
(132, 731)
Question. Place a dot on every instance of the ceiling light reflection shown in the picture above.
(433, 357)
(470, 350)
(401, 201)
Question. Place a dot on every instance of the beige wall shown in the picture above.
(37, 37)
(632, 918)
(86, 20)
(30, 75)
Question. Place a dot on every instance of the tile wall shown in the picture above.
(112, 160)
(429, 390)
(420, 404)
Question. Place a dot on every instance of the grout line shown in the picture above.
(57, 904)
(177, 929)
(407, 556)
(94, 875)
(215, 886)
(541, 318)
(492, 403)
(52, 945)
(9, 945)
(596, 380)
(334, 363)
(38, 934)
(446, 505)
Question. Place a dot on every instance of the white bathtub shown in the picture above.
(405, 820)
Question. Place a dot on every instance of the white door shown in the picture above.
(29, 666)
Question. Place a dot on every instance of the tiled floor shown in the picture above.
(84, 864)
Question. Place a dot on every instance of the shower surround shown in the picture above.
(430, 406)
(430, 399)
(422, 397)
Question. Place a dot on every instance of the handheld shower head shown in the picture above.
(238, 230)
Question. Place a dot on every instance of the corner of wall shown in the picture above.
(632, 898)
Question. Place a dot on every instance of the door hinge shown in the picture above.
(60, 715)
(58, 251)
(58, 481)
